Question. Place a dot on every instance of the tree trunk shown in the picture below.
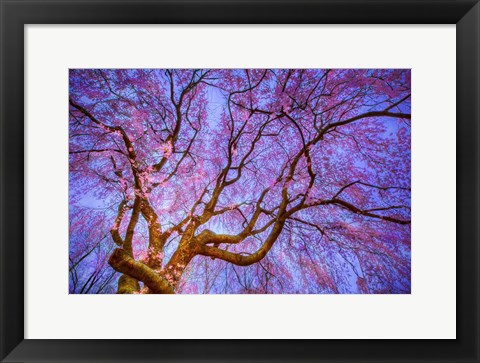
(127, 285)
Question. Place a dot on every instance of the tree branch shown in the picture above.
(122, 262)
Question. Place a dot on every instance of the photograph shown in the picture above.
(203, 165)
(239, 181)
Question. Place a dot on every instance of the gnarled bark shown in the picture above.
(127, 285)
(122, 262)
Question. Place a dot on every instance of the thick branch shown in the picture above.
(242, 259)
(122, 208)
(369, 114)
(125, 264)
(366, 213)
(350, 207)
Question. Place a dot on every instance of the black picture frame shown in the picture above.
(15, 14)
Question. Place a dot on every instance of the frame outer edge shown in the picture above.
(468, 181)
(12, 179)
(11, 170)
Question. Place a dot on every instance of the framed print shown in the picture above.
(239, 181)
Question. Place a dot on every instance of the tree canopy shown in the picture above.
(239, 180)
